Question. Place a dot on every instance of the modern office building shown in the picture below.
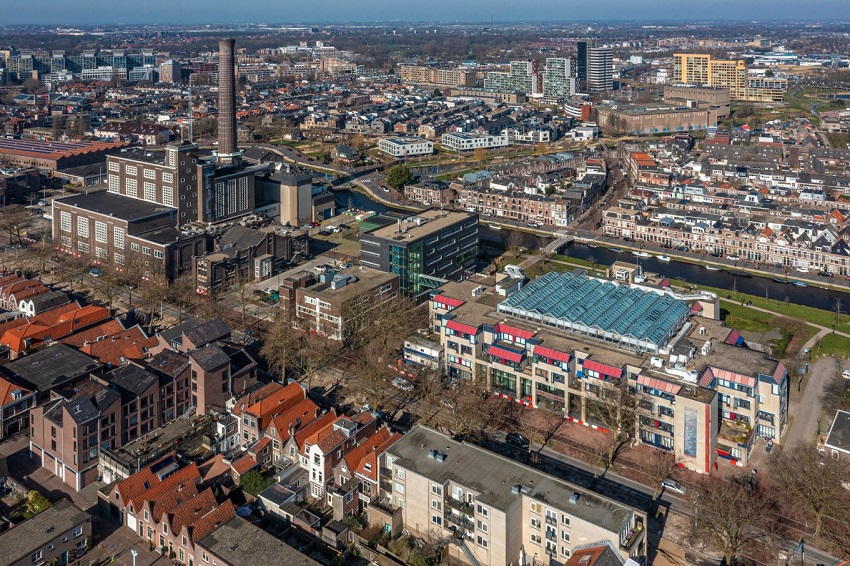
(581, 63)
(25, 64)
(170, 71)
(600, 69)
(425, 250)
(502, 509)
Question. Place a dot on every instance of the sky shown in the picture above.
(82, 12)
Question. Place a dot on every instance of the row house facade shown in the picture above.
(704, 235)
(518, 206)
(697, 418)
(170, 508)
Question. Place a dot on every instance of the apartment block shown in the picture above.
(600, 69)
(436, 75)
(510, 511)
(695, 399)
(340, 304)
(701, 69)
(468, 141)
(405, 147)
(425, 250)
(522, 76)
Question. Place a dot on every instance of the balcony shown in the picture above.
(462, 521)
(552, 521)
(575, 384)
(461, 506)
(631, 537)
(736, 431)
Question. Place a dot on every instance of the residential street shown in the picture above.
(805, 424)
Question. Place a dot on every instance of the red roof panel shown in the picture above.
(461, 327)
(450, 301)
(504, 354)
(604, 369)
(551, 354)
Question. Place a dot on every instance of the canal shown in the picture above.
(760, 286)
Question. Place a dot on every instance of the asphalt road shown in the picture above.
(805, 425)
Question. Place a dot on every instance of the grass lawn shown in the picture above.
(742, 318)
(808, 314)
(832, 345)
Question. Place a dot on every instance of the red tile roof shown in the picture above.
(212, 520)
(130, 344)
(246, 401)
(244, 464)
(6, 390)
(313, 428)
(276, 403)
(108, 328)
(371, 458)
(306, 411)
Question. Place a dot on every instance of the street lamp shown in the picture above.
(135, 553)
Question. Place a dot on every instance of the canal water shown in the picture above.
(760, 286)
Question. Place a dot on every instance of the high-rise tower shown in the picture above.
(228, 153)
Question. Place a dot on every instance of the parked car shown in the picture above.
(518, 440)
(94, 272)
(846, 374)
(402, 384)
(42, 203)
(674, 486)
(825, 274)
(802, 269)
(344, 227)
(733, 257)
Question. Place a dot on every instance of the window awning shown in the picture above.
(551, 354)
(512, 331)
(504, 354)
(604, 369)
(452, 302)
(461, 327)
(659, 384)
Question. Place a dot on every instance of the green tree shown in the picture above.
(399, 176)
(36, 502)
(254, 482)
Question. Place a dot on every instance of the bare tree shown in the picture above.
(281, 344)
(658, 467)
(472, 410)
(538, 426)
(615, 409)
(13, 219)
(514, 241)
(836, 394)
(812, 483)
(733, 517)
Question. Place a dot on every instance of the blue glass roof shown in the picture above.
(610, 307)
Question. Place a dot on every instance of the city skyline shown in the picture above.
(93, 12)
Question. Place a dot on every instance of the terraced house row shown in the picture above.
(793, 244)
(572, 344)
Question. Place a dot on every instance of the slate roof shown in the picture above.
(168, 363)
(132, 381)
(210, 357)
(82, 410)
(241, 238)
(206, 332)
(18, 542)
(49, 300)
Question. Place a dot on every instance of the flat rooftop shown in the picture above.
(839, 432)
(52, 366)
(432, 220)
(119, 206)
(464, 464)
(366, 279)
(239, 543)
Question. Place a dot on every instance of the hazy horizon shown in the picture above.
(218, 12)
